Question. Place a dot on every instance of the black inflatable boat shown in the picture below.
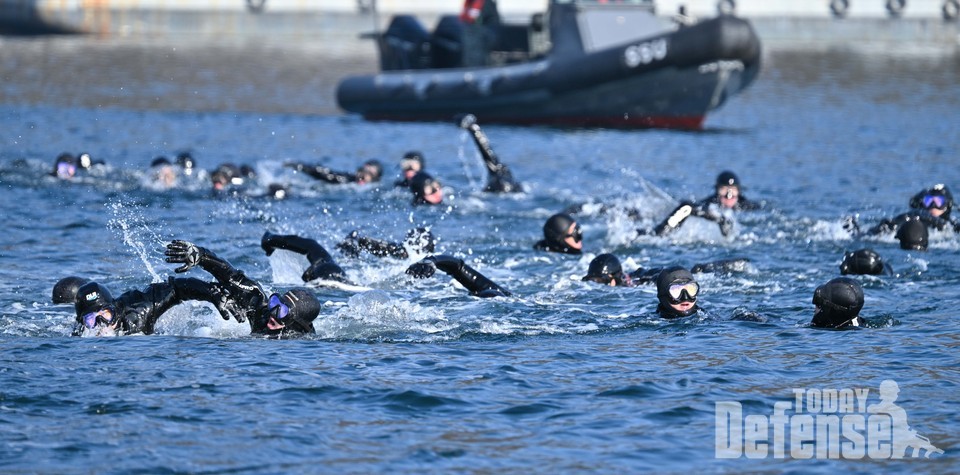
(582, 63)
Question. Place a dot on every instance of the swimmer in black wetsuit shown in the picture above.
(188, 166)
(727, 197)
(478, 284)
(369, 172)
(838, 304)
(864, 262)
(499, 177)
(561, 233)
(65, 290)
(162, 173)
(676, 293)
(419, 240)
(426, 189)
(322, 265)
(411, 164)
(913, 235)
(226, 177)
(136, 311)
(932, 206)
(284, 315)
(606, 269)
(67, 166)
(234, 296)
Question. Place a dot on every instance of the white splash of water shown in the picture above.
(131, 227)
(287, 267)
(465, 143)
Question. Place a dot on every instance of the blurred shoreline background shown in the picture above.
(287, 56)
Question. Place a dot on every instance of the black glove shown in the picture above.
(266, 243)
(423, 269)
(467, 121)
(227, 306)
(183, 252)
(350, 244)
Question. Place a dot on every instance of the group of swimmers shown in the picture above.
(236, 296)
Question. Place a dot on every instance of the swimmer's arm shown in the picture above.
(190, 255)
(322, 173)
(293, 243)
(470, 278)
(675, 219)
(196, 289)
(382, 248)
(354, 243)
(499, 177)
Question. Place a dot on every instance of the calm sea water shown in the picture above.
(417, 376)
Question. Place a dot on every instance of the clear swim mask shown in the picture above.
(684, 291)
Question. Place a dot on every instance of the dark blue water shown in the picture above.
(417, 376)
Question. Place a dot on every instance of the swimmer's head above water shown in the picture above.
(937, 200)
(562, 233)
(728, 189)
(96, 312)
(291, 312)
(838, 304)
(411, 164)
(677, 292)
(606, 269)
(65, 290)
(65, 167)
(369, 172)
(863, 261)
(426, 189)
(913, 235)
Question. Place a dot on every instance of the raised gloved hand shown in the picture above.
(467, 121)
(266, 242)
(423, 269)
(183, 252)
(350, 244)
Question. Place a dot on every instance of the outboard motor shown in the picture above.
(405, 45)
(448, 42)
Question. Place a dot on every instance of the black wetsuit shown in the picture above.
(707, 208)
(137, 311)
(322, 265)
(478, 284)
(325, 174)
(665, 311)
(939, 223)
(354, 243)
(649, 276)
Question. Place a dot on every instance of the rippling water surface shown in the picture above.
(417, 376)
